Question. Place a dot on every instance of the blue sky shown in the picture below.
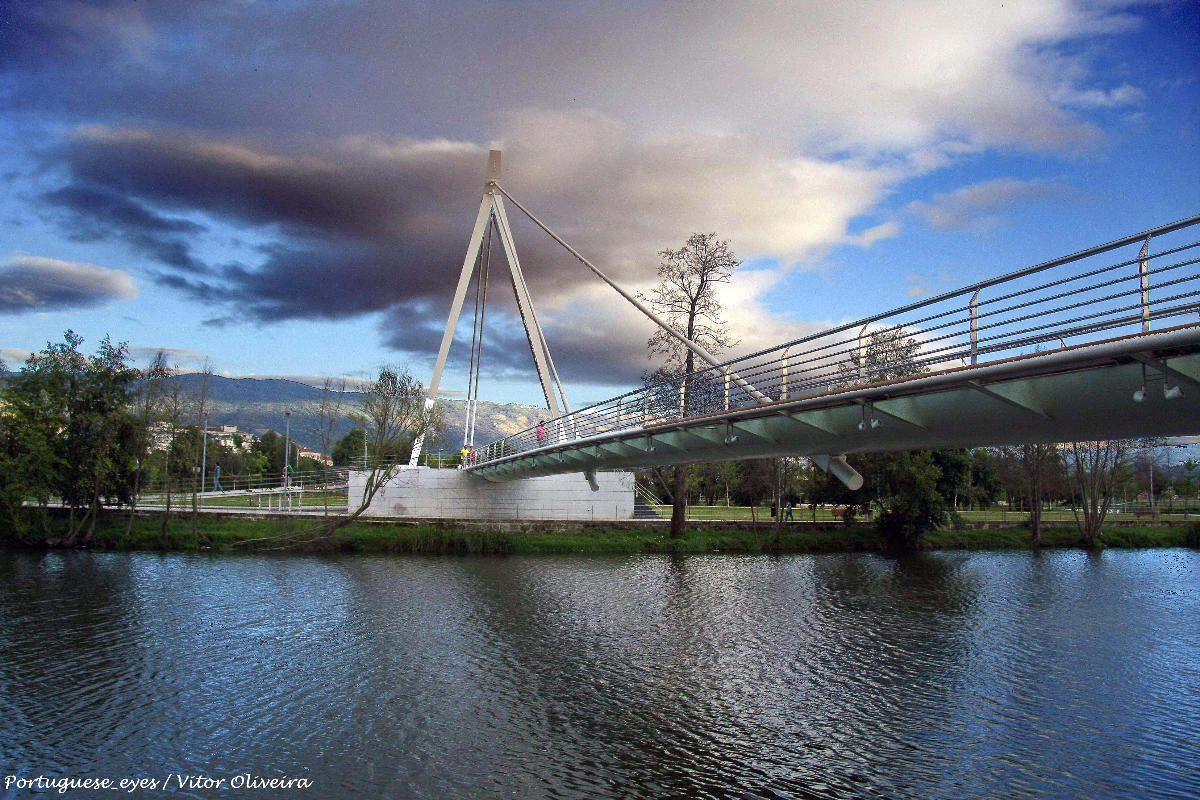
(287, 189)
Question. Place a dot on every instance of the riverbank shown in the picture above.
(303, 534)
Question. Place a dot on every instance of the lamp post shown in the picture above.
(287, 446)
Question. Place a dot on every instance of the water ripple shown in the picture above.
(833, 676)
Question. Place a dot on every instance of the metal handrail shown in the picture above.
(1045, 304)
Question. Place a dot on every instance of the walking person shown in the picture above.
(217, 487)
(788, 511)
(541, 433)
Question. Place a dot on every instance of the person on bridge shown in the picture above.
(541, 433)
(217, 487)
(462, 457)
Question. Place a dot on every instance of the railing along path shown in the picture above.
(1094, 294)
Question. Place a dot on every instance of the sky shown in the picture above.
(288, 188)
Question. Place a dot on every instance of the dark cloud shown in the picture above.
(97, 213)
(42, 284)
(351, 227)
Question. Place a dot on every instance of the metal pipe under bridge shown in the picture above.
(1100, 344)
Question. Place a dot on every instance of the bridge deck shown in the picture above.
(1074, 393)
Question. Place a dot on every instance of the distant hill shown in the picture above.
(258, 405)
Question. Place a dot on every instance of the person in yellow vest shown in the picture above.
(462, 457)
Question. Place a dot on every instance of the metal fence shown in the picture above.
(1150, 280)
(308, 480)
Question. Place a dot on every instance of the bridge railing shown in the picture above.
(1147, 281)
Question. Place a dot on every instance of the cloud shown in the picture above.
(249, 173)
(980, 208)
(366, 224)
(832, 77)
(173, 356)
(1123, 95)
(96, 212)
(31, 283)
(918, 285)
(13, 355)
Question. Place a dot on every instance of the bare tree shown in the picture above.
(1033, 470)
(1092, 470)
(172, 414)
(328, 416)
(394, 414)
(148, 409)
(686, 299)
(200, 408)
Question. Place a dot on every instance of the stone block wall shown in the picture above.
(426, 493)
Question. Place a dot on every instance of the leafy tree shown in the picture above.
(887, 355)
(906, 493)
(686, 299)
(348, 448)
(270, 447)
(983, 485)
(68, 425)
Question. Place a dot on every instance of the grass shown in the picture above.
(299, 534)
(1063, 516)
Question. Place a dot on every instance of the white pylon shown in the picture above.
(492, 207)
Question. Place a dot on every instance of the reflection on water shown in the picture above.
(937, 675)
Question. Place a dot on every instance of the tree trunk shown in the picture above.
(91, 531)
(137, 482)
(678, 501)
(1035, 515)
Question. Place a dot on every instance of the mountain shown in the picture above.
(258, 405)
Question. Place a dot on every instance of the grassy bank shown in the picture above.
(297, 534)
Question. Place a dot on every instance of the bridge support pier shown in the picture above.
(425, 493)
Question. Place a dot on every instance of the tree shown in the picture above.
(686, 299)
(148, 407)
(172, 416)
(328, 416)
(200, 409)
(1037, 465)
(888, 355)
(348, 448)
(1092, 469)
(68, 425)
(906, 493)
(394, 415)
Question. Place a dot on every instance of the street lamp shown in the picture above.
(287, 432)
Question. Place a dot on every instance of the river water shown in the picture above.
(943, 675)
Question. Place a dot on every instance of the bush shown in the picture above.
(1193, 535)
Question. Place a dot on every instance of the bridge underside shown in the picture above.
(1080, 393)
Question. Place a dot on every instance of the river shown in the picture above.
(940, 675)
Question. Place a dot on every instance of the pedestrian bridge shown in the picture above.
(1099, 344)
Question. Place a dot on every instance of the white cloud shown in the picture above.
(12, 356)
(33, 283)
(981, 207)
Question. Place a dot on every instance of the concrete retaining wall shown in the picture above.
(452, 494)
